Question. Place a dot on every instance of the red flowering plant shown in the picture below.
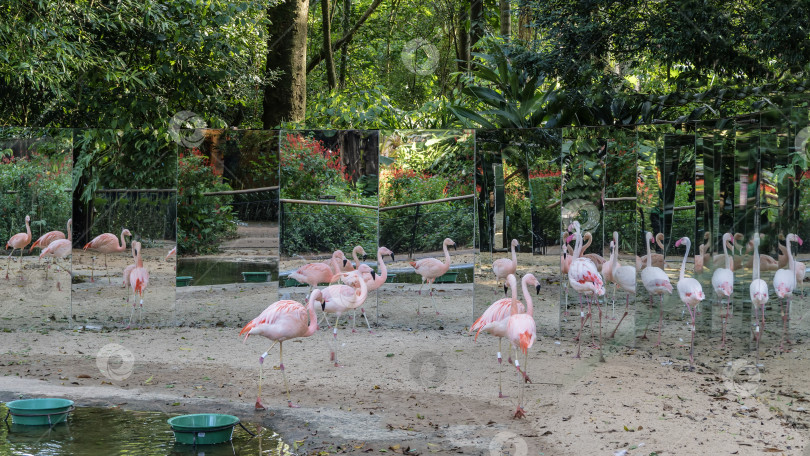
(307, 167)
(202, 221)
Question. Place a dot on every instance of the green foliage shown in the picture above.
(318, 229)
(202, 221)
(34, 186)
(308, 168)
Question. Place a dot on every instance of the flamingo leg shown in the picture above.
(131, 314)
(660, 320)
(725, 320)
(787, 321)
(259, 405)
(613, 302)
(21, 265)
(509, 351)
(599, 307)
(283, 374)
(692, 340)
(520, 413)
(500, 387)
(784, 328)
(626, 307)
(106, 272)
(140, 312)
(363, 311)
(647, 324)
(432, 299)
(8, 264)
(93, 269)
(581, 325)
(333, 355)
(565, 312)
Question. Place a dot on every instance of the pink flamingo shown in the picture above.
(585, 280)
(494, 321)
(128, 269)
(502, 267)
(19, 241)
(372, 283)
(691, 293)
(521, 330)
(59, 248)
(340, 298)
(624, 277)
(340, 256)
(139, 280)
(702, 257)
(283, 320)
(784, 282)
(46, 239)
(758, 291)
(357, 250)
(658, 260)
(430, 269)
(723, 282)
(314, 273)
(106, 243)
(656, 282)
(173, 251)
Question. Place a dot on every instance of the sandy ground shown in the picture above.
(102, 302)
(30, 301)
(433, 391)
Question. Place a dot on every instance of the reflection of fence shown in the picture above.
(256, 204)
(325, 226)
(426, 229)
(148, 213)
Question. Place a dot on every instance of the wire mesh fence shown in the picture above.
(147, 213)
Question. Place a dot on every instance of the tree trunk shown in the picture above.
(286, 100)
(463, 52)
(524, 21)
(346, 37)
(476, 21)
(506, 18)
(344, 57)
(327, 44)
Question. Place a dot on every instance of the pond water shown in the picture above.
(92, 431)
(209, 271)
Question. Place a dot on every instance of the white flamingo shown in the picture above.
(758, 291)
(623, 276)
(585, 280)
(656, 282)
(723, 283)
(691, 293)
(784, 282)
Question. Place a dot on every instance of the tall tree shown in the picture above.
(506, 18)
(344, 56)
(327, 45)
(286, 100)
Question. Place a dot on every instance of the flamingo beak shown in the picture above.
(455, 246)
(678, 243)
(323, 306)
(373, 275)
(537, 287)
(569, 238)
(365, 256)
(392, 257)
(345, 261)
(799, 240)
(517, 247)
(504, 289)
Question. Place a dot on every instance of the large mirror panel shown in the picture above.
(35, 212)
(426, 219)
(124, 213)
(227, 263)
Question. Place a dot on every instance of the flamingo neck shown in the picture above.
(362, 293)
(354, 257)
(383, 269)
(336, 269)
(577, 245)
(649, 254)
(123, 245)
(513, 308)
(527, 297)
(446, 256)
(313, 319)
(28, 229)
(686, 254)
(514, 257)
(139, 260)
(587, 244)
(755, 274)
(725, 253)
(791, 262)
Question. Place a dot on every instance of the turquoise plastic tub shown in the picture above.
(448, 277)
(255, 276)
(39, 412)
(203, 428)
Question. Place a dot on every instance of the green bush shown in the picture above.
(202, 221)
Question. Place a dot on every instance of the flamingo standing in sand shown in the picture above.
(784, 282)
(656, 281)
(283, 320)
(314, 273)
(128, 269)
(691, 293)
(430, 269)
(565, 264)
(19, 241)
(623, 276)
(59, 248)
(340, 298)
(758, 291)
(723, 282)
(658, 260)
(502, 267)
(46, 239)
(521, 330)
(585, 280)
(139, 280)
(372, 283)
(106, 243)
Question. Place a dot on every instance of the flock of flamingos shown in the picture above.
(587, 276)
(55, 245)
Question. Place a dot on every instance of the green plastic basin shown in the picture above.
(183, 281)
(39, 412)
(448, 277)
(255, 276)
(203, 428)
(390, 278)
(288, 282)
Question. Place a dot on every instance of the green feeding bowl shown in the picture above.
(39, 412)
(203, 428)
(391, 278)
(255, 276)
(448, 277)
(183, 281)
(288, 282)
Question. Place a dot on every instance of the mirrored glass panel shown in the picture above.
(426, 219)
(35, 211)
(124, 214)
(227, 268)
